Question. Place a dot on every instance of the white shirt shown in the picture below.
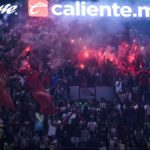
(51, 129)
(147, 109)
(118, 86)
(92, 126)
(73, 116)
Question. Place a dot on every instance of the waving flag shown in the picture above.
(39, 94)
(5, 98)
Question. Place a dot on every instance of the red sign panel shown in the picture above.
(38, 8)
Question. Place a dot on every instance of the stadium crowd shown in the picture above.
(120, 124)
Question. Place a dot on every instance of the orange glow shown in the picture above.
(82, 66)
(131, 59)
(28, 66)
(72, 41)
(111, 59)
(86, 54)
(142, 48)
(136, 47)
(28, 49)
(99, 54)
(126, 45)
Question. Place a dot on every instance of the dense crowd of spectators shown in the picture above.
(123, 123)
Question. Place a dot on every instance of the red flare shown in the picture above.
(86, 54)
(82, 66)
(131, 59)
(27, 50)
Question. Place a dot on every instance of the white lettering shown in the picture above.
(69, 10)
(55, 9)
(83, 8)
(92, 10)
(8, 9)
(115, 8)
(1, 8)
(77, 8)
(11, 9)
(126, 11)
(146, 11)
(105, 9)
(4, 10)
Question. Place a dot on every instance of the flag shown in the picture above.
(5, 98)
(39, 94)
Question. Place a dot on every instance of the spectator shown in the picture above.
(51, 130)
